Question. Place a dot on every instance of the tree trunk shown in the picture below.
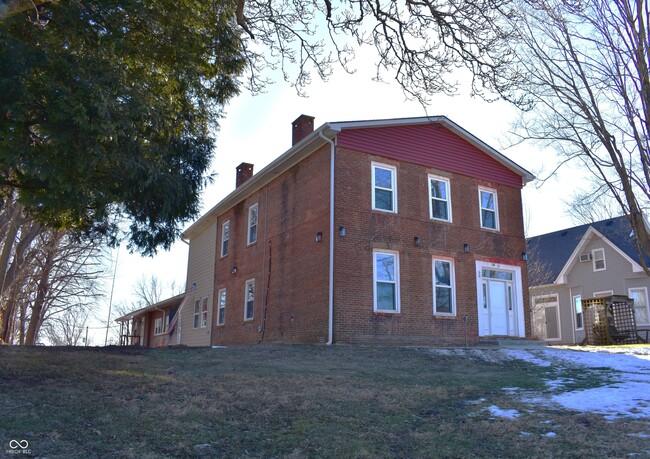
(13, 7)
(6, 317)
(8, 245)
(39, 306)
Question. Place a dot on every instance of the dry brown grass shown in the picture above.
(289, 401)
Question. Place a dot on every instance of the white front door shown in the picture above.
(498, 307)
(500, 300)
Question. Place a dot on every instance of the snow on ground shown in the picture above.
(624, 390)
(628, 394)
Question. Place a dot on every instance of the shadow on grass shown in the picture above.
(287, 401)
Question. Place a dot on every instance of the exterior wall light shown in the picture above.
(416, 241)
(233, 271)
(342, 231)
(466, 248)
(524, 256)
(319, 236)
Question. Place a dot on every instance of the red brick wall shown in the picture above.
(292, 210)
(367, 230)
(295, 207)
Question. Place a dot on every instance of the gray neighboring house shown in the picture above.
(587, 261)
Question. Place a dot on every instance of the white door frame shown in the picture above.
(517, 298)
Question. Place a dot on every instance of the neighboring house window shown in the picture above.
(640, 297)
(386, 281)
(489, 208)
(439, 199)
(204, 312)
(221, 312)
(158, 326)
(577, 306)
(252, 224)
(443, 287)
(197, 312)
(384, 190)
(249, 305)
(225, 237)
(598, 259)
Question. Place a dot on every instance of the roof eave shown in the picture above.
(288, 159)
(152, 307)
(525, 175)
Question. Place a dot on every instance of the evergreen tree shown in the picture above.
(108, 110)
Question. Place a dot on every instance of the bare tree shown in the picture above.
(67, 328)
(418, 42)
(588, 90)
(150, 290)
(44, 273)
(592, 205)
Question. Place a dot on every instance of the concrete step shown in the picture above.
(511, 343)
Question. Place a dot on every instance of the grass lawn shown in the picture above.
(291, 401)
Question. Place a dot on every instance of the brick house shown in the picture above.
(401, 231)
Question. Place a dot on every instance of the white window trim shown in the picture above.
(452, 273)
(603, 293)
(223, 237)
(593, 259)
(203, 323)
(196, 318)
(248, 236)
(374, 281)
(575, 314)
(496, 208)
(393, 171)
(249, 282)
(448, 200)
(221, 306)
(158, 325)
(647, 300)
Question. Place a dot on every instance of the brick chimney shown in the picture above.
(301, 128)
(244, 172)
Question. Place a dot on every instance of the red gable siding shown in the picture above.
(429, 145)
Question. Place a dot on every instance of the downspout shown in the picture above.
(330, 334)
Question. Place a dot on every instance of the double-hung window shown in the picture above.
(158, 326)
(249, 300)
(204, 312)
(444, 297)
(386, 281)
(439, 198)
(598, 259)
(489, 208)
(197, 312)
(640, 297)
(384, 187)
(577, 306)
(252, 224)
(225, 237)
(221, 312)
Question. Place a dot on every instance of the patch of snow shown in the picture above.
(527, 356)
(639, 435)
(501, 413)
(550, 434)
(628, 394)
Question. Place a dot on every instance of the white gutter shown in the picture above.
(330, 334)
